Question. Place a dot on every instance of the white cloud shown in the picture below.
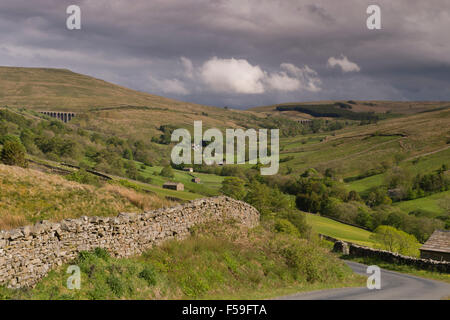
(342, 62)
(172, 86)
(188, 67)
(282, 82)
(306, 78)
(232, 75)
(239, 76)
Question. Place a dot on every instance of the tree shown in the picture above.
(394, 240)
(131, 170)
(13, 154)
(259, 196)
(167, 172)
(309, 203)
(234, 188)
(128, 154)
(444, 203)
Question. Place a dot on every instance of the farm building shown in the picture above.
(188, 169)
(437, 246)
(178, 186)
(196, 180)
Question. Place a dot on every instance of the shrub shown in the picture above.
(9, 138)
(391, 239)
(84, 177)
(298, 220)
(102, 253)
(285, 226)
(149, 275)
(116, 285)
(167, 172)
(234, 188)
(13, 154)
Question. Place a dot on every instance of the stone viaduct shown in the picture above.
(63, 116)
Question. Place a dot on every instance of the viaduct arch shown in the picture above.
(63, 116)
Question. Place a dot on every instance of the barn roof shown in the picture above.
(172, 183)
(439, 241)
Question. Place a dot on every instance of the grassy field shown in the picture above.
(356, 149)
(209, 183)
(429, 204)
(339, 230)
(422, 164)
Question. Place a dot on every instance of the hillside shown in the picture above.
(62, 89)
(28, 196)
(376, 106)
(355, 150)
(105, 106)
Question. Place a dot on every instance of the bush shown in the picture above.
(116, 285)
(167, 172)
(285, 226)
(9, 138)
(13, 154)
(234, 188)
(391, 239)
(84, 177)
(149, 275)
(298, 220)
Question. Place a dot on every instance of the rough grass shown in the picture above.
(339, 230)
(217, 262)
(27, 196)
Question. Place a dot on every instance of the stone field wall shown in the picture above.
(27, 254)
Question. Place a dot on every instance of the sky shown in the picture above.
(240, 53)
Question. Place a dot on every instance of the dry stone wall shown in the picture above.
(355, 250)
(27, 254)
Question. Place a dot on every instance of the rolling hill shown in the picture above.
(104, 106)
(376, 106)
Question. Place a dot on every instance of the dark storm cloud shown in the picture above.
(240, 53)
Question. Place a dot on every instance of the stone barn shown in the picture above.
(178, 186)
(437, 246)
(196, 180)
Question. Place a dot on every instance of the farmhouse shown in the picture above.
(178, 186)
(437, 247)
(188, 169)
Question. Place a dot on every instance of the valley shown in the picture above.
(341, 174)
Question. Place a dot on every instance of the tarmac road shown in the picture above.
(394, 286)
